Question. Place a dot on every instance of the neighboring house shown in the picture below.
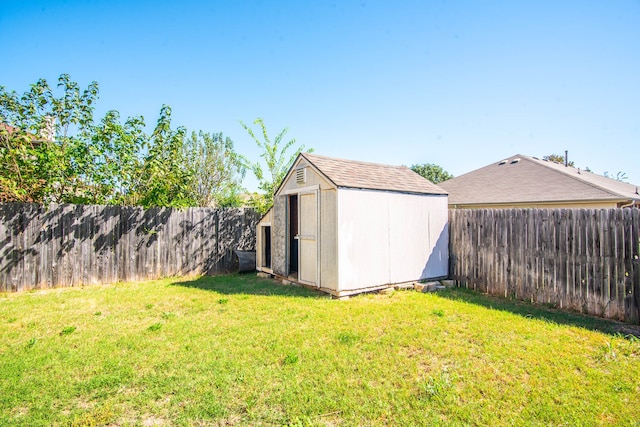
(529, 182)
(6, 127)
(346, 227)
(8, 130)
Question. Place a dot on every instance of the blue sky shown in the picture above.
(458, 83)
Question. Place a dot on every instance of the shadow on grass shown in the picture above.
(248, 283)
(541, 312)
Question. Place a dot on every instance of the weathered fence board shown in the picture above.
(69, 245)
(579, 259)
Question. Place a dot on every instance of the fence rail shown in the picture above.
(580, 259)
(68, 245)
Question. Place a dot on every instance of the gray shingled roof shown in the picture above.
(534, 180)
(373, 176)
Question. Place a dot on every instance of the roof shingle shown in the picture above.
(372, 176)
(525, 179)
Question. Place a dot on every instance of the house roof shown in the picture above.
(525, 179)
(371, 176)
(12, 129)
(9, 129)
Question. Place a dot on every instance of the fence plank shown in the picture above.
(70, 245)
(585, 260)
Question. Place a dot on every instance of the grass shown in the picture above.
(239, 350)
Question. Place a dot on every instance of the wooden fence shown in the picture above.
(580, 259)
(68, 245)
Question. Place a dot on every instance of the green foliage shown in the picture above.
(43, 153)
(290, 359)
(437, 388)
(168, 315)
(52, 150)
(27, 166)
(166, 179)
(260, 202)
(433, 173)
(31, 343)
(217, 169)
(347, 338)
(116, 151)
(558, 158)
(155, 327)
(277, 160)
(619, 176)
(67, 330)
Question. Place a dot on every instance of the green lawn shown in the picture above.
(239, 350)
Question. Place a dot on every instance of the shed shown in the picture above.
(347, 227)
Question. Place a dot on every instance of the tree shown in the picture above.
(25, 163)
(620, 176)
(433, 173)
(116, 150)
(217, 169)
(51, 150)
(278, 162)
(46, 147)
(557, 158)
(166, 176)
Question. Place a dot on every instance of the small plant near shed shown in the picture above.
(67, 330)
(31, 343)
(155, 327)
(290, 359)
(347, 338)
(436, 387)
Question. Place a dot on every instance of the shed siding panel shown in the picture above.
(418, 237)
(438, 260)
(363, 239)
(387, 238)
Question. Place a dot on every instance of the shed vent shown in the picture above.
(301, 176)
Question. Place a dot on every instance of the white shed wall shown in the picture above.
(387, 238)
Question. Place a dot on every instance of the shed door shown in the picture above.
(307, 239)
